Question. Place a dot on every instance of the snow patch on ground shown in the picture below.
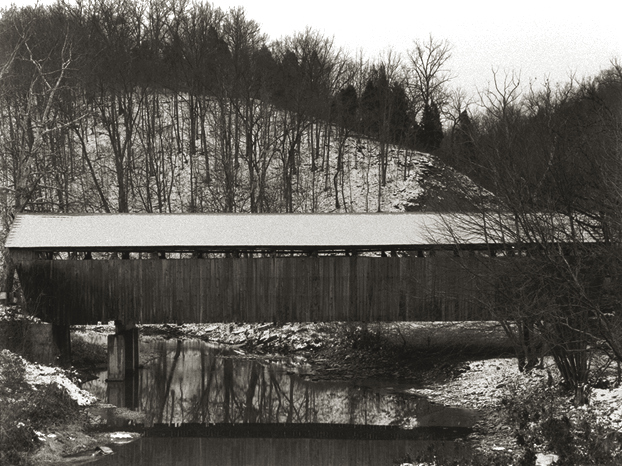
(37, 374)
(609, 403)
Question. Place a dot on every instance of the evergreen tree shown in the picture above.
(463, 143)
(346, 106)
(370, 108)
(400, 120)
(431, 132)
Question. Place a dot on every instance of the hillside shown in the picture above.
(163, 179)
(416, 182)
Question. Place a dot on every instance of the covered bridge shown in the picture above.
(155, 268)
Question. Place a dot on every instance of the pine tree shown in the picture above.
(431, 133)
(346, 106)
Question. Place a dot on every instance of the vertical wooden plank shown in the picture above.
(217, 301)
(126, 299)
(118, 289)
(195, 290)
(375, 286)
(388, 313)
(295, 285)
(250, 290)
(255, 275)
(164, 304)
(96, 299)
(199, 289)
(181, 286)
(108, 290)
(245, 289)
(91, 290)
(157, 301)
(134, 281)
(279, 297)
(324, 289)
(410, 290)
(295, 279)
(328, 288)
(223, 288)
(231, 290)
(122, 289)
(177, 286)
(396, 287)
(189, 285)
(154, 289)
(98, 290)
(360, 289)
(378, 283)
(242, 310)
(233, 280)
(189, 266)
(145, 293)
(282, 296)
(213, 313)
(294, 310)
(212, 296)
(287, 289)
(126, 269)
(313, 289)
(352, 288)
(382, 305)
(334, 284)
(178, 289)
(268, 308)
(340, 285)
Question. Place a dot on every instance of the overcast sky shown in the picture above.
(536, 38)
(539, 39)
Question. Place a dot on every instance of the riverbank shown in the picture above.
(453, 372)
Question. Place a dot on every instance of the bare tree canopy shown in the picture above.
(428, 62)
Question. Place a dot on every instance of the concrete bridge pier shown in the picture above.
(61, 337)
(122, 352)
(124, 394)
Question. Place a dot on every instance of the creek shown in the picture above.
(209, 405)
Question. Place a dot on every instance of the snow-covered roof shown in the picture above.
(228, 231)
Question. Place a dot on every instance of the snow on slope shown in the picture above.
(415, 182)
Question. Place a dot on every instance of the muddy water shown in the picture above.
(207, 405)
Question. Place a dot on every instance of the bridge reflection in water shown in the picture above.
(278, 452)
(190, 392)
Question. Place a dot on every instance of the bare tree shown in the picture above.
(551, 159)
(33, 81)
(428, 70)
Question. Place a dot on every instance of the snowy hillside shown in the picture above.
(415, 182)
(164, 171)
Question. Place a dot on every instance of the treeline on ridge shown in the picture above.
(141, 96)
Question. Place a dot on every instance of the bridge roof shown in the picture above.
(177, 232)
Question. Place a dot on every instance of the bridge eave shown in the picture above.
(31, 253)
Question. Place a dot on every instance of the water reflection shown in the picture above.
(279, 452)
(203, 406)
(192, 382)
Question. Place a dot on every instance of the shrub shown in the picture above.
(25, 409)
(543, 418)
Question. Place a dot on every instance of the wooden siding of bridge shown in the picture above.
(285, 289)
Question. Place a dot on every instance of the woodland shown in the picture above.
(178, 106)
(173, 106)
